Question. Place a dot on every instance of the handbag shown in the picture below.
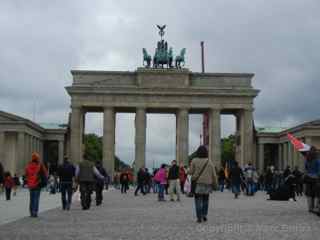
(194, 181)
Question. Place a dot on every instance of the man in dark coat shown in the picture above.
(236, 176)
(124, 181)
(85, 173)
(174, 181)
(66, 173)
(141, 178)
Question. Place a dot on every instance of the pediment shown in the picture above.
(4, 116)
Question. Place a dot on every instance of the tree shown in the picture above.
(227, 149)
(94, 146)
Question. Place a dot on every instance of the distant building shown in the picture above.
(19, 137)
(274, 148)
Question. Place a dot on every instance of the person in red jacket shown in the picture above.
(35, 173)
(8, 185)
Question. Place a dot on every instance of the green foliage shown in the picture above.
(94, 146)
(228, 149)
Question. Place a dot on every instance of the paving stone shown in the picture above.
(143, 217)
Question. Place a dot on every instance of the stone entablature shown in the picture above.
(166, 78)
(177, 91)
(162, 88)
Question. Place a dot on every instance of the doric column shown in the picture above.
(109, 140)
(215, 137)
(2, 147)
(280, 164)
(290, 155)
(26, 149)
(140, 138)
(76, 134)
(261, 157)
(285, 155)
(21, 160)
(247, 136)
(61, 151)
(33, 146)
(41, 149)
(30, 145)
(38, 145)
(182, 136)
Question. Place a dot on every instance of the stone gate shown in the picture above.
(150, 90)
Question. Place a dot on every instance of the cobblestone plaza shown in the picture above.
(143, 217)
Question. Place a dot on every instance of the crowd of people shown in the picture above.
(197, 180)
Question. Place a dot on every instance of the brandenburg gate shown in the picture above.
(162, 90)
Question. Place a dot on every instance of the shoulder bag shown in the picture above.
(195, 180)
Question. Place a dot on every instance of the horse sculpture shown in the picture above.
(146, 58)
(180, 58)
(162, 56)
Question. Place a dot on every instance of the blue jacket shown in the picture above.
(312, 167)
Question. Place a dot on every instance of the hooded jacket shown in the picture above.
(33, 173)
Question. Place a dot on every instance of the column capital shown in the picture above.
(248, 109)
(141, 109)
(215, 109)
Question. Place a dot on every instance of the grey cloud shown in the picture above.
(276, 40)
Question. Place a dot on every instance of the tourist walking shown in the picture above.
(124, 181)
(140, 182)
(311, 180)
(85, 175)
(17, 183)
(286, 172)
(182, 177)
(174, 181)
(161, 179)
(249, 175)
(66, 173)
(204, 180)
(221, 179)
(236, 176)
(100, 183)
(269, 180)
(8, 185)
(298, 181)
(36, 177)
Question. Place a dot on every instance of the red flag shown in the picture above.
(298, 145)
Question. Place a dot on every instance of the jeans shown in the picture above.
(34, 201)
(221, 185)
(86, 191)
(236, 188)
(141, 188)
(8, 193)
(250, 187)
(66, 195)
(99, 195)
(160, 192)
(202, 205)
(124, 187)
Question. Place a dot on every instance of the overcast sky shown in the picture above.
(42, 41)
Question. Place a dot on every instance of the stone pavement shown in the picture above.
(129, 217)
(18, 206)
